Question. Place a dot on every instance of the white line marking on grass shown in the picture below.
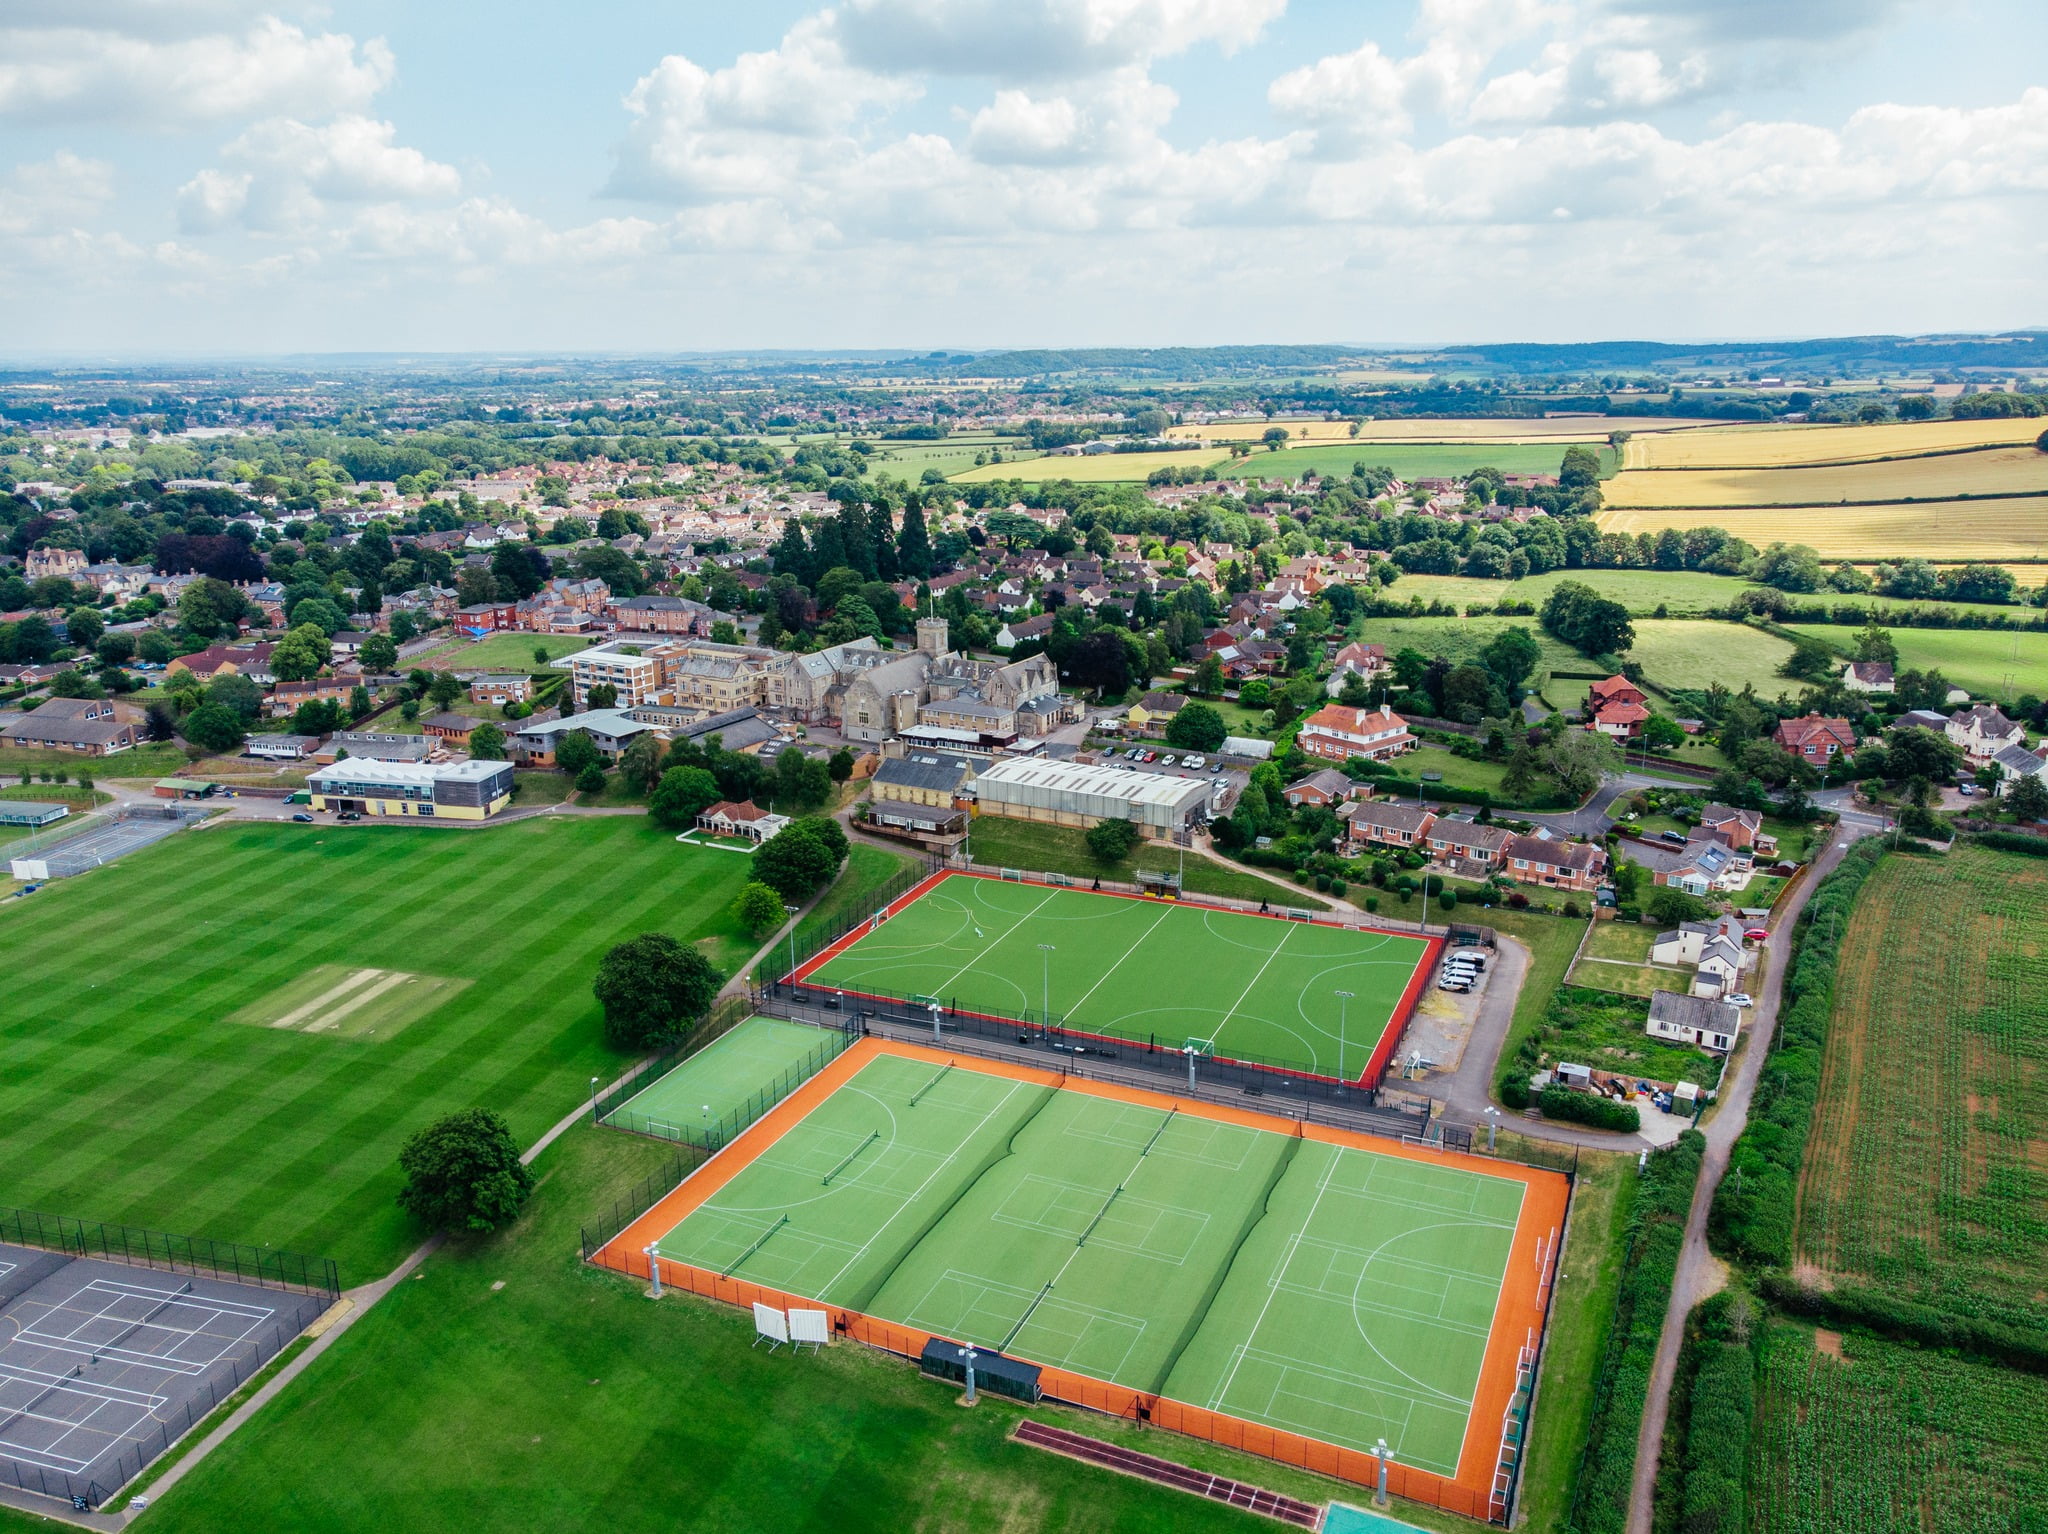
(1075, 1009)
(1287, 933)
(356, 1003)
(970, 964)
(333, 993)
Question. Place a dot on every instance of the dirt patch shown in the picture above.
(1830, 1343)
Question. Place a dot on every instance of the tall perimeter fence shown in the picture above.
(313, 1281)
(77, 845)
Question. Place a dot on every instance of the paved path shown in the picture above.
(1699, 1272)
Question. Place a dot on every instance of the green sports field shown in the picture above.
(1260, 989)
(231, 1033)
(1342, 1294)
(761, 1057)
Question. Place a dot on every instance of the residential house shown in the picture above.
(1719, 971)
(1697, 1020)
(745, 820)
(1687, 942)
(1921, 719)
(251, 661)
(1337, 733)
(1983, 731)
(501, 688)
(1618, 719)
(2018, 762)
(285, 697)
(1466, 848)
(1815, 739)
(68, 564)
(1385, 823)
(1153, 712)
(88, 726)
(1017, 630)
(1702, 865)
(1557, 864)
(1364, 661)
(664, 615)
(1741, 829)
(1326, 785)
(1613, 689)
(1868, 676)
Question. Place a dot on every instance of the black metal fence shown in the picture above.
(637, 1200)
(708, 1136)
(262, 1266)
(726, 1014)
(170, 1423)
(800, 948)
(1281, 1086)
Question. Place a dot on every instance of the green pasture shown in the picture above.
(723, 1076)
(1342, 1294)
(1408, 460)
(1695, 653)
(132, 1088)
(1992, 663)
(1682, 593)
(1261, 989)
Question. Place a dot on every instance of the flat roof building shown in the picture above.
(473, 790)
(1070, 794)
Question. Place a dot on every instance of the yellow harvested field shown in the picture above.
(1768, 446)
(1933, 530)
(1101, 468)
(1989, 471)
(1570, 428)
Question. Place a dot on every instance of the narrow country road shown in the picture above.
(1698, 1275)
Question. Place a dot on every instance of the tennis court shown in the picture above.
(1327, 1000)
(1305, 1281)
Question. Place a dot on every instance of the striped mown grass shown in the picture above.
(127, 1094)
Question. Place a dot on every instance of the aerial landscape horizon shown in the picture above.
(772, 768)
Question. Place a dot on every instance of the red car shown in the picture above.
(1756, 934)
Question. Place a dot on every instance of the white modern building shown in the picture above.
(1070, 794)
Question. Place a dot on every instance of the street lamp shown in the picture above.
(1343, 1007)
(1045, 994)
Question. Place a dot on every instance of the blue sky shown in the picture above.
(242, 176)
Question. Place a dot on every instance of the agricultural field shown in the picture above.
(949, 455)
(1409, 461)
(1101, 468)
(231, 1033)
(1458, 639)
(1939, 477)
(1874, 1437)
(1762, 446)
(1990, 531)
(1697, 652)
(1550, 429)
(1924, 1170)
(1990, 662)
(1682, 593)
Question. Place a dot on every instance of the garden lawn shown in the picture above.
(509, 1388)
(1988, 662)
(1695, 653)
(158, 760)
(1454, 771)
(138, 1082)
(998, 841)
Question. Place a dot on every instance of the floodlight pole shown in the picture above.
(593, 1099)
(654, 1270)
(967, 1357)
(937, 1037)
(1343, 1007)
(1189, 1051)
(1045, 995)
(1382, 1453)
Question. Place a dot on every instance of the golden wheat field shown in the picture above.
(1771, 446)
(1933, 530)
(1944, 476)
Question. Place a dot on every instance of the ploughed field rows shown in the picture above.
(1889, 1439)
(1927, 1175)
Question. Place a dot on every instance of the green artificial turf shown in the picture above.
(133, 1089)
(738, 1069)
(1104, 1238)
(1261, 989)
(507, 1388)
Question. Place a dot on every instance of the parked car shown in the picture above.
(1471, 956)
(305, 820)
(1452, 983)
(1167, 761)
(349, 815)
(1739, 999)
(1967, 790)
(1756, 934)
(1195, 763)
(1675, 837)
(1215, 766)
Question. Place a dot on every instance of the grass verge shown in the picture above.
(1000, 842)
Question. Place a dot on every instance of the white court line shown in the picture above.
(1284, 936)
(1293, 1245)
(1075, 1009)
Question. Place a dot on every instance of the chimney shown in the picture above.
(932, 636)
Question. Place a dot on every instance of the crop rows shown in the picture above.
(1935, 1091)
(1892, 1440)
